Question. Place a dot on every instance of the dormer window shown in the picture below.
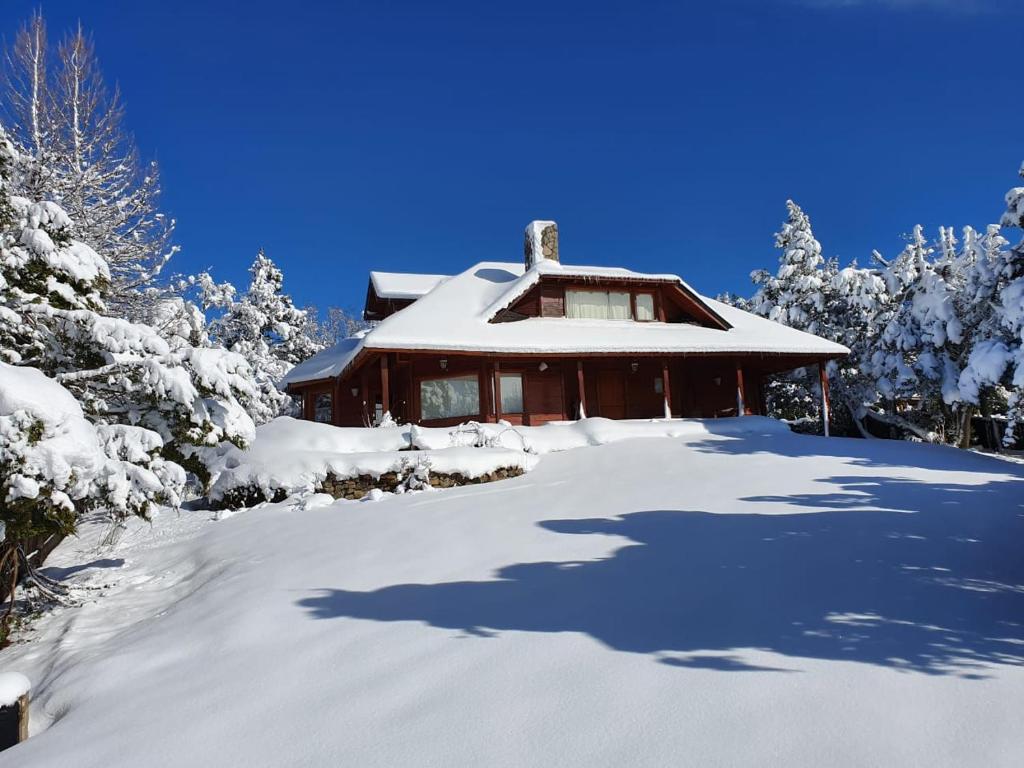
(597, 305)
(645, 307)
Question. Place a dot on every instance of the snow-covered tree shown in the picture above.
(53, 316)
(1001, 357)
(265, 327)
(796, 295)
(76, 152)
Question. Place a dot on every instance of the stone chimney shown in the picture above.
(541, 242)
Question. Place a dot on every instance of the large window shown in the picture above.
(450, 398)
(597, 305)
(322, 410)
(511, 392)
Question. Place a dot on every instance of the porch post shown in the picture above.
(741, 406)
(364, 393)
(497, 390)
(385, 389)
(666, 387)
(826, 406)
(583, 391)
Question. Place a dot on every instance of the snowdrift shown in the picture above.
(289, 456)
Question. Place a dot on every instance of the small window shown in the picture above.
(511, 392)
(597, 305)
(449, 398)
(298, 406)
(645, 307)
(322, 408)
(659, 385)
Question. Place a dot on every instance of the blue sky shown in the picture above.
(350, 136)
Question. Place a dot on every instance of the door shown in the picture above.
(543, 397)
(611, 394)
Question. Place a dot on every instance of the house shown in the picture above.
(544, 341)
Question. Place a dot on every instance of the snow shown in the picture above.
(296, 456)
(746, 599)
(456, 314)
(404, 285)
(13, 685)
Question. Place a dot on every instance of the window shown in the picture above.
(645, 307)
(450, 398)
(511, 392)
(322, 408)
(597, 305)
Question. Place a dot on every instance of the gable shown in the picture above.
(673, 301)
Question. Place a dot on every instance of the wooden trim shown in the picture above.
(826, 404)
(385, 385)
(497, 391)
(582, 389)
(741, 400)
(666, 388)
(811, 357)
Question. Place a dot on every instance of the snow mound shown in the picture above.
(290, 457)
(13, 685)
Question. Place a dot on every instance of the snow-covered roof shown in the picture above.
(403, 285)
(455, 317)
(326, 363)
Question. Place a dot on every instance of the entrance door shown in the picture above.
(611, 394)
(543, 397)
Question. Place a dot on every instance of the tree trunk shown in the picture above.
(965, 427)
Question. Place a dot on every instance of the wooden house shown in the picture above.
(544, 341)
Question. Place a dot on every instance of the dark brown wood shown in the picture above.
(582, 388)
(741, 400)
(611, 394)
(826, 404)
(497, 391)
(14, 723)
(385, 385)
(667, 388)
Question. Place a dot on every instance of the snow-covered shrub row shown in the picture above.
(290, 457)
(936, 333)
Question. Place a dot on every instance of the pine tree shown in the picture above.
(76, 152)
(265, 327)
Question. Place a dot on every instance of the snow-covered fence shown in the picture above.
(14, 689)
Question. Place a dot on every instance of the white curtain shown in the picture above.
(588, 305)
(644, 307)
(618, 306)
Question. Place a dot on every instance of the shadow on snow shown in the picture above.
(909, 575)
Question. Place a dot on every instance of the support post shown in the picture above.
(826, 405)
(741, 406)
(582, 389)
(497, 391)
(364, 394)
(666, 388)
(385, 385)
(14, 715)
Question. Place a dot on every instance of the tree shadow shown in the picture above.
(899, 573)
(58, 573)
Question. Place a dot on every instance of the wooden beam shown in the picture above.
(385, 385)
(666, 388)
(497, 391)
(826, 405)
(741, 405)
(582, 389)
(364, 393)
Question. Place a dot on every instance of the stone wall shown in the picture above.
(357, 487)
